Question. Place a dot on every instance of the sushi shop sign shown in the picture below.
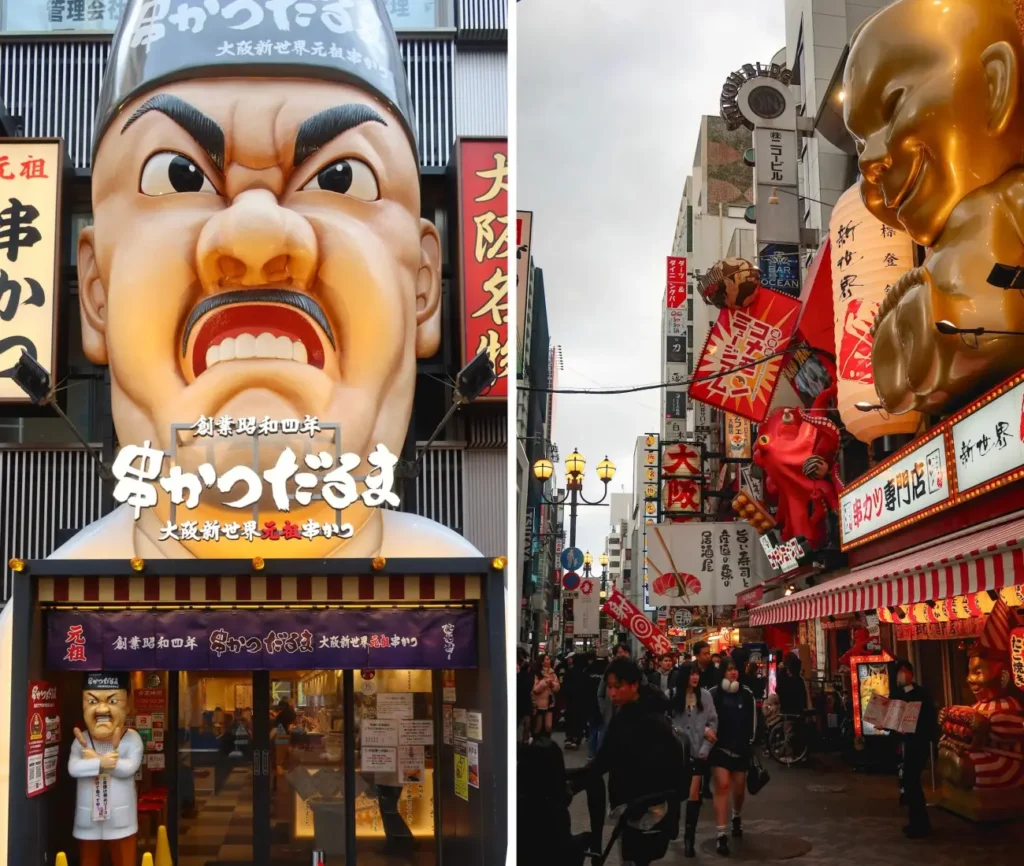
(304, 468)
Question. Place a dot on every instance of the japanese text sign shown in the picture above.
(987, 443)
(1017, 656)
(680, 496)
(30, 208)
(917, 481)
(680, 460)
(42, 736)
(190, 640)
(737, 437)
(483, 253)
(624, 612)
(732, 373)
(675, 287)
(712, 562)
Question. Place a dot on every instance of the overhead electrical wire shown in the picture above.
(693, 380)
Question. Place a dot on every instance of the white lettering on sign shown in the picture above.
(137, 467)
(916, 482)
(987, 443)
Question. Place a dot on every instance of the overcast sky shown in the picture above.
(610, 95)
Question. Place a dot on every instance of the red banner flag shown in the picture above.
(624, 612)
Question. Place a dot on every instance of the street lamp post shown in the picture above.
(575, 463)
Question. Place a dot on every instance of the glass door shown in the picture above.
(307, 766)
(218, 768)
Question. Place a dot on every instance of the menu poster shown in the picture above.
(460, 724)
(475, 726)
(890, 715)
(43, 738)
(396, 706)
(473, 757)
(379, 733)
(156, 762)
(378, 760)
(416, 732)
(412, 765)
(461, 771)
(446, 724)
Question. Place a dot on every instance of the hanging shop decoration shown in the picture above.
(742, 358)
(624, 612)
(797, 451)
(286, 639)
(868, 257)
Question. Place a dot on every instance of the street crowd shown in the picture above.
(669, 733)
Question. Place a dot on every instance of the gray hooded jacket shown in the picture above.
(691, 724)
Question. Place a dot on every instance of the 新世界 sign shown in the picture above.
(30, 221)
(260, 640)
(483, 253)
(987, 443)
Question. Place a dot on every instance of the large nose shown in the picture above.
(874, 159)
(256, 242)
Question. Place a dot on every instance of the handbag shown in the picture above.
(757, 775)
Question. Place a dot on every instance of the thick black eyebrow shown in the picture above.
(327, 125)
(204, 130)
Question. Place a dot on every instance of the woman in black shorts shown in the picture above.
(730, 758)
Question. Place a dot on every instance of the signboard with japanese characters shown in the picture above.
(680, 496)
(675, 287)
(139, 470)
(742, 358)
(42, 735)
(775, 156)
(987, 443)
(31, 186)
(675, 403)
(197, 640)
(737, 437)
(586, 608)
(681, 460)
(652, 453)
(482, 171)
(917, 481)
(704, 563)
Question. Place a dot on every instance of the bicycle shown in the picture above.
(789, 738)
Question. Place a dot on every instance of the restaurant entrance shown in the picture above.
(260, 767)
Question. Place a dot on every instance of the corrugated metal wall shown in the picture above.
(439, 485)
(485, 493)
(41, 493)
(52, 86)
(481, 93)
(482, 16)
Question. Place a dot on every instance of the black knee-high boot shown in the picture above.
(690, 833)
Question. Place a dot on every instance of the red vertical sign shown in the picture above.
(676, 281)
(483, 253)
(42, 738)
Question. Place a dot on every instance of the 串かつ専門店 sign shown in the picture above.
(483, 253)
(30, 222)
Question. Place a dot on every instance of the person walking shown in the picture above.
(696, 720)
(524, 695)
(731, 754)
(664, 677)
(545, 687)
(709, 678)
(915, 750)
(641, 756)
(596, 712)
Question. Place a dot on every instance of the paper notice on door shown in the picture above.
(156, 761)
(379, 733)
(446, 723)
(416, 732)
(475, 726)
(377, 760)
(460, 724)
(412, 764)
(394, 706)
(473, 756)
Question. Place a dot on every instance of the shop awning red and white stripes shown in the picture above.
(987, 559)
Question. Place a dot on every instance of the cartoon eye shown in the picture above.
(764, 440)
(349, 177)
(167, 173)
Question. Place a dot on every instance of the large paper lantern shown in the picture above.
(867, 258)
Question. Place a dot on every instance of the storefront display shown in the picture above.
(869, 675)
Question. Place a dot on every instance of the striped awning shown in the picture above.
(990, 558)
(272, 589)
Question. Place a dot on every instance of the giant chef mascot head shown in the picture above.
(258, 252)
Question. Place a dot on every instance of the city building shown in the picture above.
(53, 56)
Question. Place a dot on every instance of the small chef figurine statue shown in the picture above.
(104, 760)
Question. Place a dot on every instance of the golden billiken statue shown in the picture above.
(105, 760)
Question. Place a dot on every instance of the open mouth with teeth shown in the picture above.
(102, 719)
(264, 324)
